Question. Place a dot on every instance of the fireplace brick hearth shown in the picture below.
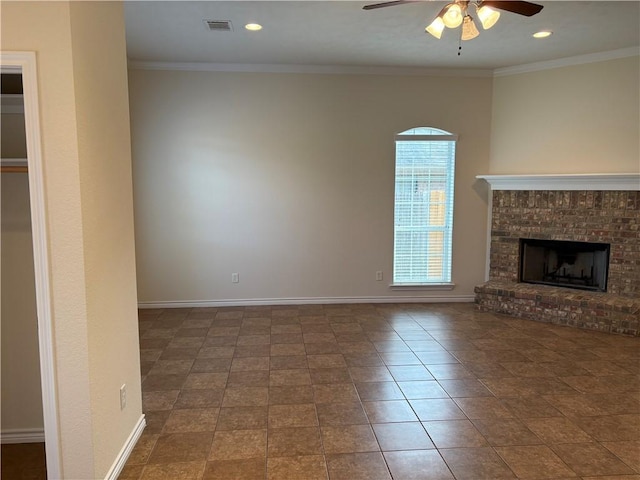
(599, 216)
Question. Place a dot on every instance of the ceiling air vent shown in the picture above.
(219, 25)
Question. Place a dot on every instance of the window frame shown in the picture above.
(438, 135)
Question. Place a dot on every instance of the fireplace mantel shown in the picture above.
(588, 181)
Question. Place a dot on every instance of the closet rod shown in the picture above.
(13, 169)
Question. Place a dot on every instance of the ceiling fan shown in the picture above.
(456, 13)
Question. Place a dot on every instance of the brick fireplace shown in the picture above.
(578, 213)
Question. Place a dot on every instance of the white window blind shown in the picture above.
(425, 163)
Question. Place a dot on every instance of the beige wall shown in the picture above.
(84, 128)
(575, 119)
(21, 393)
(287, 179)
(104, 148)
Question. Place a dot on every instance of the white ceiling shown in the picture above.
(340, 33)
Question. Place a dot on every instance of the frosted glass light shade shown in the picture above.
(452, 18)
(488, 17)
(469, 30)
(436, 27)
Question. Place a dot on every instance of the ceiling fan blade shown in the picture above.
(388, 4)
(527, 9)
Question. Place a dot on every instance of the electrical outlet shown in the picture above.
(235, 278)
(123, 396)
(379, 276)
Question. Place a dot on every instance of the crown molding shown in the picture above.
(568, 61)
(388, 70)
(307, 69)
(588, 181)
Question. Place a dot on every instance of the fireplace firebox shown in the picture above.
(581, 265)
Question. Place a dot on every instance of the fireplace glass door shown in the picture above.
(582, 265)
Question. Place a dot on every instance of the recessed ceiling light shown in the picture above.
(254, 27)
(542, 34)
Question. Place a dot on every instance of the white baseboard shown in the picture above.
(304, 301)
(27, 435)
(123, 456)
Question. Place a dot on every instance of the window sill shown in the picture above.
(422, 286)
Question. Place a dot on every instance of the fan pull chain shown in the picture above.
(460, 43)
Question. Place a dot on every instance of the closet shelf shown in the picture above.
(13, 165)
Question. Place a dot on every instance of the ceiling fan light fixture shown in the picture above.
(469, 30)
(488, 17)
(452, 17)
(436, 27)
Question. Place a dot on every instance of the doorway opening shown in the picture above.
(23, 64)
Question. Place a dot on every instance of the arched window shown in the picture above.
(423, 213)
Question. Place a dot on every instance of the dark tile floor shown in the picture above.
(434, 391)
